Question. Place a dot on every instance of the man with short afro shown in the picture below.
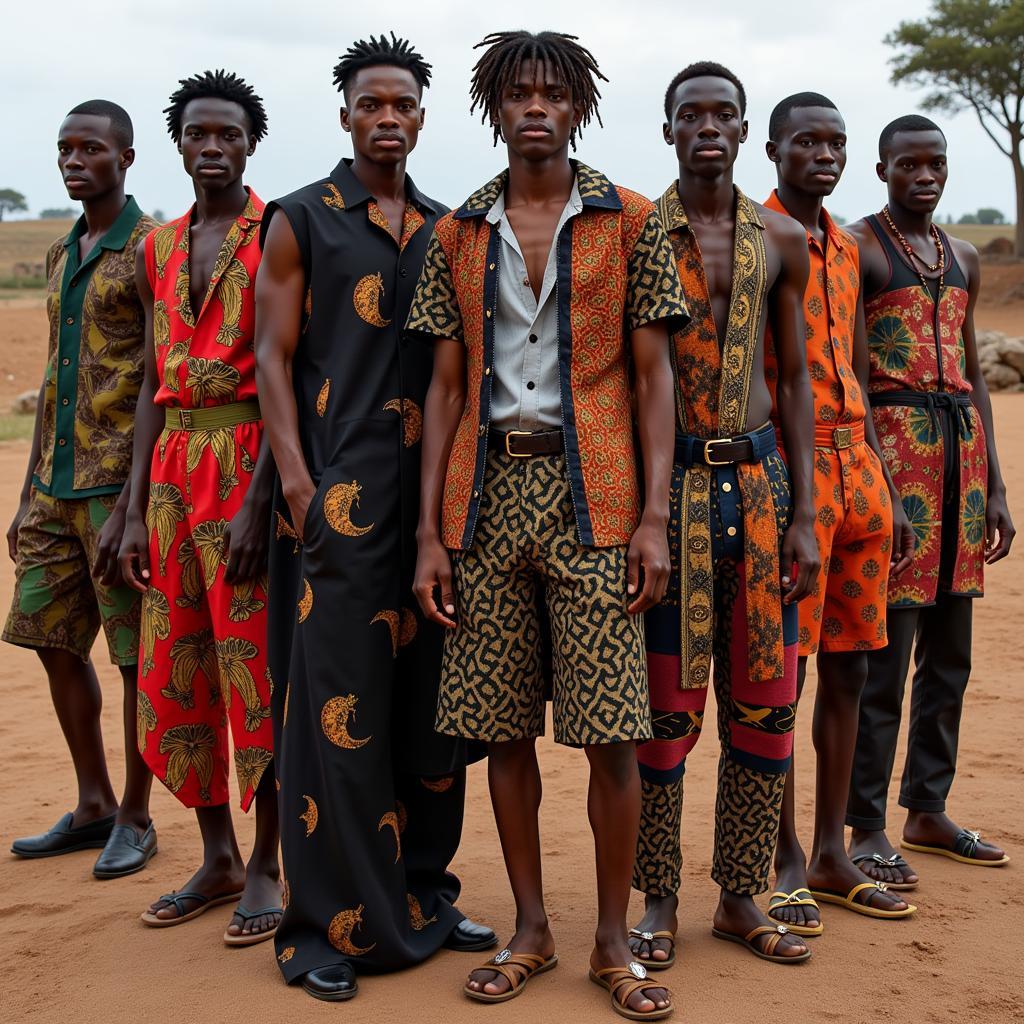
(372, 796)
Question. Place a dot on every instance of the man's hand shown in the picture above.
(434, 575)
(106, 568)
(133, 556)
(799, 546)
(903, 541)
(999, 531)
(648, 549)
(12, 530)
(299, 498)
(246, 540)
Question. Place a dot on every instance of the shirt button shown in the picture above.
(65, 401)
(731, 531)
(65, 362)
(530, 385)
(488, 314)
(70, 320)
(533, 338)
(727, 487)
(61, 442)
(487, 371)
(526, 281)
(490, 266)
(403, 272)
(476, 494)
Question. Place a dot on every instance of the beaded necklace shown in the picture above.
(912, 254)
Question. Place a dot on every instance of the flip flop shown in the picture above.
(518, 968)
(655, 965)
(964, 846)
(892, 861)
(793, 899)
(175, 898)
(249, 915)
(622, 982)
(849, 901)
(768, 953)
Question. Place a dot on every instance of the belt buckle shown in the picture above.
(711, 461)
(186, 418)
(842, 437)
(508, 450)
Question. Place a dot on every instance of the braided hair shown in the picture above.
(501, 63)
(222, 85)
(368, 53)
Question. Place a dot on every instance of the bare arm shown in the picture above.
(442, 411)
(149, 422)
(903, 540)
(280, 288)
(655, 402)
(796, 410)
(33, 461)
(999, 526)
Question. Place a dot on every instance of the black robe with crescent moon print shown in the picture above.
(371, 798)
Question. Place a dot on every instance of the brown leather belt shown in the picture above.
(521, 444)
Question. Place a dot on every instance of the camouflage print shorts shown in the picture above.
(57, 603)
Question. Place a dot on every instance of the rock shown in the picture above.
(25, 403)
(1011, 352)
(988, 340)
(999, 247)
(999, 376)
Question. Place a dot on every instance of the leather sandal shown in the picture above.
(174, 899)
(894, 862)
(965, 847)
(768, 953)
(851, 901)
(517, 968)
(780, 899)
(648, 962)
(622, 982)
(242, 939)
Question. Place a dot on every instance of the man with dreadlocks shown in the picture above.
(371, 797)
(72, 509)
(196, 539)
(739, 523)
(538, 294)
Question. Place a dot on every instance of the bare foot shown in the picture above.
(790, 876)
(885, 867)
(936, 829)
(839, 874)
(536, 939)
(216, 879)
(616, 953)
(262, 889)
(659, 916)
(739, 915)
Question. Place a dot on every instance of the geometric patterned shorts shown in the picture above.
(525, 573)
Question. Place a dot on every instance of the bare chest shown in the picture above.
(535, 233)
(716, 249)
(203, 250)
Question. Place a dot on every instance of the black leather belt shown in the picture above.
(954, 403)
(521, 444)
(724, 451)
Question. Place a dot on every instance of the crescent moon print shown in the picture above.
(391, 618)
(310, 815)
(321, 399)
(306, 601)
(338, 504)
(439, 785)
(334, 720)
(412, 418)
(366, 299)
(407, 628)
(390, 820)
(416, 918)
(339, 933)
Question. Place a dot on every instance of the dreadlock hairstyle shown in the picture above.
(502, 61)
(120, 122)
(222, 85)
(397, 53)
(704, 69)
(906, 123)
(798, 101)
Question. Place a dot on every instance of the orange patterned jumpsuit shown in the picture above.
(202, 661)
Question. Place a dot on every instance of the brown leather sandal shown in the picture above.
(768, 953)
(648, 962)
(622, 982)
(518, 968)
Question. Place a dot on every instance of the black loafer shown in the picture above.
(62, 838)
(334, 983)
(469, 937)
(126, 852)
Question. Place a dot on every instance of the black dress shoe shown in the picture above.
(62, 838)
(334, 983)
(469, 937)
(126, 852)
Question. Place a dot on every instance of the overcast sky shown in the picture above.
(58, 53)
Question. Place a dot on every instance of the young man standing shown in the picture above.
(371, 797)
(741, 527)
(933, 417)
(197, 534)
(72, 510)
(537, 293)
(854, 504)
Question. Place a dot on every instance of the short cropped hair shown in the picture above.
(906, 123)
(798, 101)
(704, 69)
(120, 123)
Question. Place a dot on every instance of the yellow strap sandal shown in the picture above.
(849, 901)
(781, 899)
